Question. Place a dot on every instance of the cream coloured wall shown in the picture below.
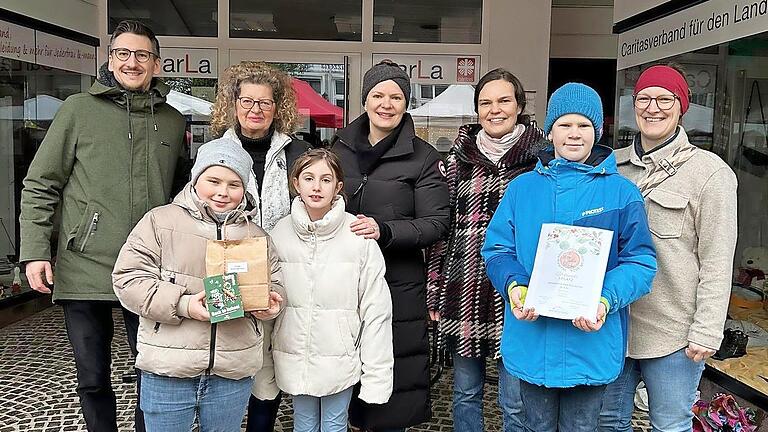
(623, 9)
(518, 38)
(583, 32)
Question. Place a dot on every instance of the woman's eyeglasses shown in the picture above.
(264, 104)
(142, 56)
(664, 102)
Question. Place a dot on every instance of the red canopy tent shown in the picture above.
(324, 113)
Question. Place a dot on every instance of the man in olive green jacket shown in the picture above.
(108, 157)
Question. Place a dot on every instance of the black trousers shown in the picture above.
(262, 414)
(90, 329)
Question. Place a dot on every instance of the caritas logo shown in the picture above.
(465, 69)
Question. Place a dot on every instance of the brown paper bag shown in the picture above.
(249, 258)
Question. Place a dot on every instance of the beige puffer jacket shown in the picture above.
(336, 328)
(160, 267)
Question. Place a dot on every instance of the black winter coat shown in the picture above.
(408, 193)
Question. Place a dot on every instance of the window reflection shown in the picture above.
(728, 114)
(30, 95)
(168, 17)
(436, 21)
(296, 19)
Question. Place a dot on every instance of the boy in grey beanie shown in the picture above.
(159, 275)
(224, 152)
(218, 188)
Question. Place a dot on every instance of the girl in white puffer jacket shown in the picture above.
(336, 329)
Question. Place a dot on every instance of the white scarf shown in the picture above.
(274, 201)
(495, 148)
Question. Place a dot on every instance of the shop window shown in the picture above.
(439, 89)
(321, 108)
(30, 95)
(193, 98)
(430, 21)
(296, 19)
(439, 110)
(426, 91)
(168, 17)
(316, 84)
(579, 3)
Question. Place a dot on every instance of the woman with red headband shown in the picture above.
(690, 197)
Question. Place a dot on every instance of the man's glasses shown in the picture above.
(264, 104)
(664, 102)
(142, 56)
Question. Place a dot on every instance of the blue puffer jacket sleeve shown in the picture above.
(632, 277)
(500, 249)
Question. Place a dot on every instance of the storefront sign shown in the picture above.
(707, 24)
(60, 53)
(189, 62)
(436, 69)
(36, 47)
(17, 42)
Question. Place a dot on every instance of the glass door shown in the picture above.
(322, 83)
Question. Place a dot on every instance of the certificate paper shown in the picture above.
(568, 271)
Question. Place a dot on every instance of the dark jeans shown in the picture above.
(90, 329)
(572, 409)
(262, 414)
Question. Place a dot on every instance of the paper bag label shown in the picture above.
(237, 267)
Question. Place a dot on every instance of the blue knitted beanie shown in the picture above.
(575, 98)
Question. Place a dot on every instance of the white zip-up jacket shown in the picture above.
(336, 328)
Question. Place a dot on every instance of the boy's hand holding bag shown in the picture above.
(249, 259)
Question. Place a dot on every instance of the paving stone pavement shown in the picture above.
(37, 383)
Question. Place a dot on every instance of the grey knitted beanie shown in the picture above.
(386, 71)
(224, 152)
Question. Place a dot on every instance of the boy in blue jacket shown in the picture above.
(564, 365)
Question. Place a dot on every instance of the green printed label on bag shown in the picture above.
(222, 296)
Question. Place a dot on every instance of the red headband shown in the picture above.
(668, 78)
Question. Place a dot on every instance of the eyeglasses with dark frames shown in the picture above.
(248, 103)
(664, 102)
(142, 56)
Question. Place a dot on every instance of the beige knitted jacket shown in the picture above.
(692, 216)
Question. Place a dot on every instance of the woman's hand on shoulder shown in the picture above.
(197, 309)
(365, 226)
(275, 303)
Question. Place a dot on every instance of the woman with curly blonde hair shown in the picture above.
(256, 106)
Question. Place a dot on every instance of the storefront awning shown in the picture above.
(458, 100)
(39, 108)
(189, 105)
(324, 113)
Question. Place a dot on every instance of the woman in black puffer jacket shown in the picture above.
(395, 185)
